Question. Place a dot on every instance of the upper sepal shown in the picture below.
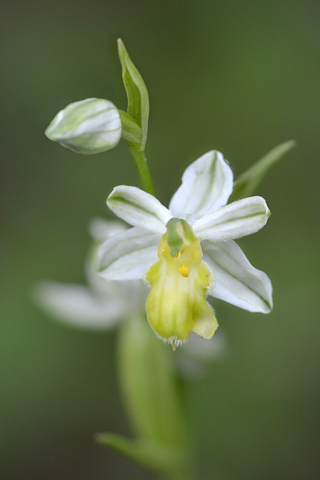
(206, 186)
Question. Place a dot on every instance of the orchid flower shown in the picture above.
(187, 252)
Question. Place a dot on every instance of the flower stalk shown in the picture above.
(143, 169)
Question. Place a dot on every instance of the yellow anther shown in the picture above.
(184, 271)
(180, 253)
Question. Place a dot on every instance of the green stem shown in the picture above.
(143, 168)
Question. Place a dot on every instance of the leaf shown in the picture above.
(149, 386)
(154, 404)
(149, 455)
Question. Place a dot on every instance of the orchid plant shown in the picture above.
(176, 258)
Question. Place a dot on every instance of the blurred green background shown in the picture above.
(240, 77)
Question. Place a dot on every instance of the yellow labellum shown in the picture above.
(177, 302)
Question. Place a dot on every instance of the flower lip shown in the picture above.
(177, 303)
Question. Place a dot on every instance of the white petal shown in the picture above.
(233, 221)
(78, 306)
(139, 208)
(206, 186)
(127, 255)
(236, 280)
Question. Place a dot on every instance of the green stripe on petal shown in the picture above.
(139, 208)
(236, 280)
(236, 220)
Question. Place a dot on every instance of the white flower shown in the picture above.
(180, 278)
(101, 304)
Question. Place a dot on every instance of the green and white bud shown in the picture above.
(88, 126)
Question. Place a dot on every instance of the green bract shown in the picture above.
(130, 129)
(247, 183)
(137, 93)
(88, 126)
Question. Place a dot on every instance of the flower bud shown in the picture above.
(89, 126)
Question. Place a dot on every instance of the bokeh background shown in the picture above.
(240, 77)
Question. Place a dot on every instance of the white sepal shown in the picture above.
(236, 280)
(206, 186)
(79, 306)
(139, 208)
(233, 221)
(128, 255)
